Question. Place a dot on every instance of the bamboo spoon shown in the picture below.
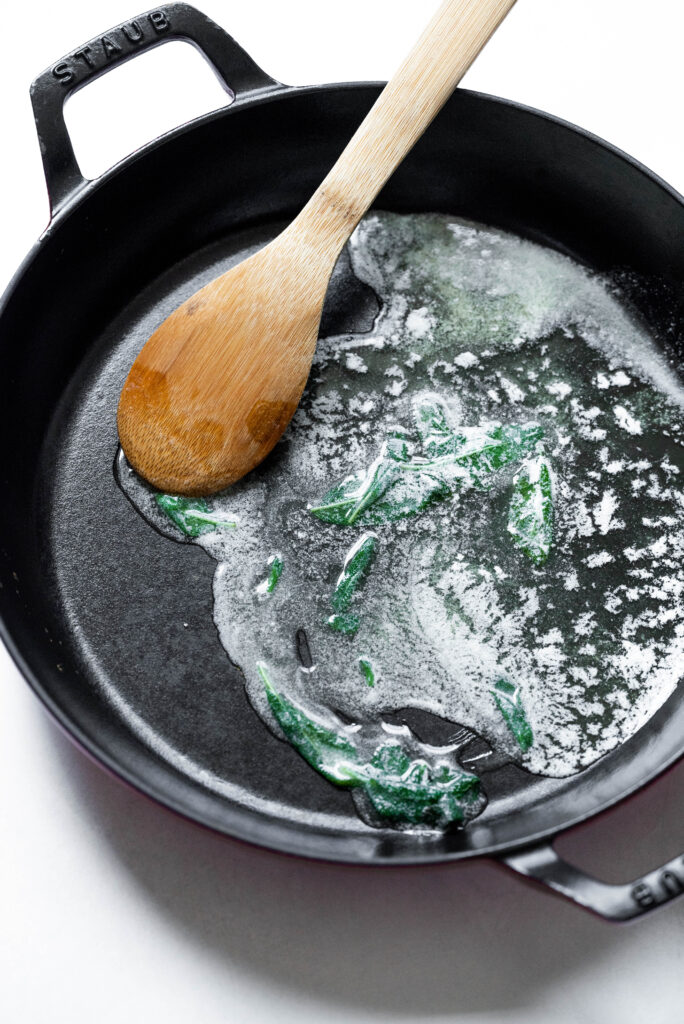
(217, 383)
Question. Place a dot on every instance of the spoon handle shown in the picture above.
(400, 115)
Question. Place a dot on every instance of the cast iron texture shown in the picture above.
(111, 623)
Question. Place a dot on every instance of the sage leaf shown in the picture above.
(367, 671)
(339, 500)
(330, 753)
(354, 571)
(382, 474)
(530, 514)
(191, 515)
(479, 452)
(346, 623)
(410, 494)
(509, 702)
(398, 484)
(346, 502)
(401, 790)
(275, 571)
(432, 423)
(416, 793)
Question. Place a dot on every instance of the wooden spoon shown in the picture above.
(217, 383)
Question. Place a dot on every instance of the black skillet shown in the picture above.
(110, 622)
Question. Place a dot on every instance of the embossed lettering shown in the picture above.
(643, 894)
(159, 21)
(110, 47)
(133, 32)
(63, 72)
(671, 883)
(84, 55)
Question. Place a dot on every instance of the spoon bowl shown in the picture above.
(219, 380)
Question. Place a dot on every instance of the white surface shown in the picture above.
(113, 909)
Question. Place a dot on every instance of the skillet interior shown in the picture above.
(95, 602)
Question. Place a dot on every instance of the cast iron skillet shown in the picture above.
(110, 622)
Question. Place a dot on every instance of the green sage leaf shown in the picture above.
(354, 571)
(509, 702)
(530, 514)
(191, 515)
(275, 571)
(330, 753)
(399, 789)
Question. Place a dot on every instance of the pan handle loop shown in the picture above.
(235, 69)
(620, 902)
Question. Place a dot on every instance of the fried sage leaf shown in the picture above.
(330, 753)
(347, 501)
(346, 623)
(191, 515)
(479, 452)
(530, 515)
(396, 485)
(400, 790)
(509, 703)
(367, 671)
(354, 571)
(433, 425)
(275, 571)
(414, 792)
(409, 495)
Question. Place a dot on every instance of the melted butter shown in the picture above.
(553, 661)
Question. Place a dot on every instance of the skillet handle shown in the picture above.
(614, 902)
(235, 69)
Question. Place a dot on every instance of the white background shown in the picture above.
(112, 909)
